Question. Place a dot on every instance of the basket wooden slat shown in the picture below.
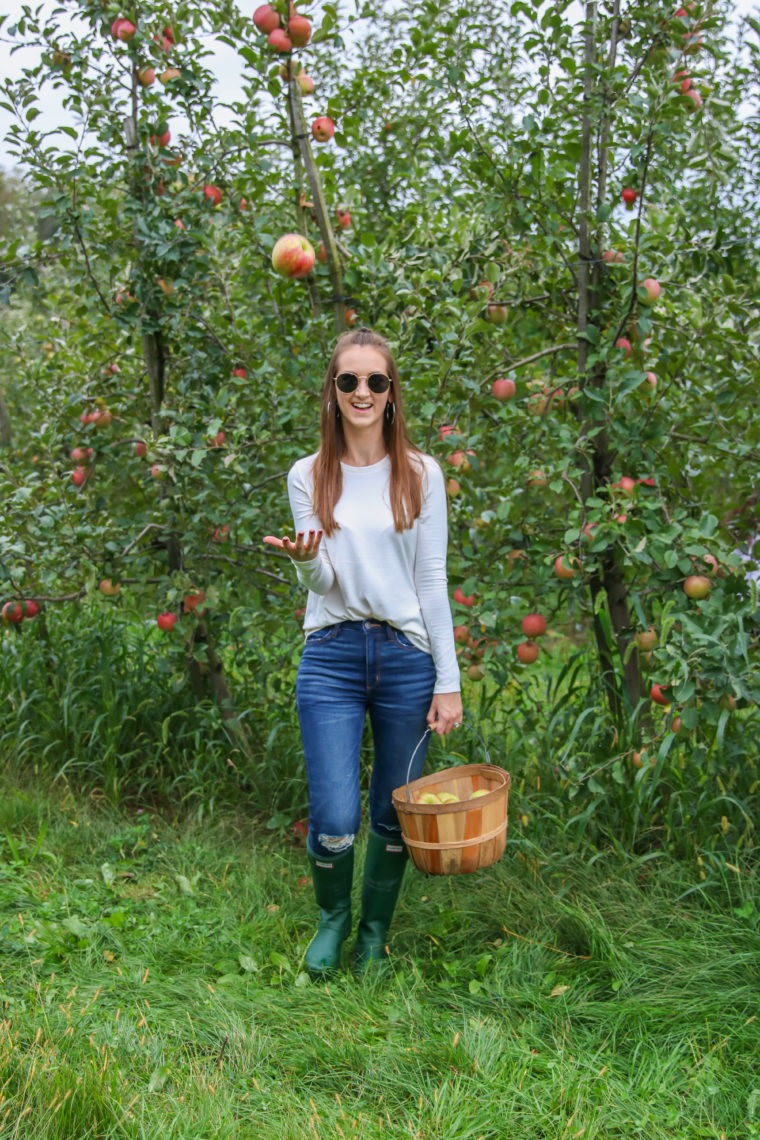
(455, 838)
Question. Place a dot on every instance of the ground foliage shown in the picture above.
(152, 983)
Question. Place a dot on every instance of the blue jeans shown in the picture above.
(347, 670)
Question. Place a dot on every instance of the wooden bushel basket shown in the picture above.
(455, 838)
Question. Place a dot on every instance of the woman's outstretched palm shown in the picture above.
(302, 550)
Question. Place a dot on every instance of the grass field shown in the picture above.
(151, 985)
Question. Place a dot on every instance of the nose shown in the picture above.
(363, 388)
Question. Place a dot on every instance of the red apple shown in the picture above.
(453, 487)
(527, 652)
(157, 471)
(217, 440)
(533, 625)
(78, 476)
(695, 97)
(651, 290)
(122, 29)
(180, 224)
(323, 128)
(146, 76)
(166, 621)
(351, 316)
(221, 533)
(650, 384)
(102, 418)
(684, 79)
(213, 193)
(461, 634)
(241, 372)
(194, 599)
(660, 694)
(565, 567)
(13, 612)
(504, 388)
(162, 139)
(625, 344)
(626, 484)
(613, 257)
(266, 19)
(697, 587)
(344, 218)
(141, 448)
(629, 196)
(31, 608)
(305, 83)
(168, 74)
(537, 478)
(497, 314)
(109, 587)
(280, 41)
(82, 455)
(322, 253)
(466, 600)
(293, 256)
(299, 30)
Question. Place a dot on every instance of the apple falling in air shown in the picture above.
(293, 256)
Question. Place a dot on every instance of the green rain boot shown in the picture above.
(332, 876)
(384, 868)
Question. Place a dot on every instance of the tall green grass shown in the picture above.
(101, 700)
(152, 985)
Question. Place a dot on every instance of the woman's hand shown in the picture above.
(445, 712)
(300, 550)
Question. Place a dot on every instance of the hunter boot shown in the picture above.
(384, 868)
(332, 876)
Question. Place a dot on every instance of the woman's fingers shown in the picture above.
(302, 550)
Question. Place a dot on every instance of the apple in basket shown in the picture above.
(428, 798)
(476, 795)
(448, 798)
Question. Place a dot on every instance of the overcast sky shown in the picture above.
(225, 64)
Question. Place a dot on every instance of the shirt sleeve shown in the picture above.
(317, 574)
(431, 581)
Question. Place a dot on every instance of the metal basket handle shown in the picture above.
(424, 737)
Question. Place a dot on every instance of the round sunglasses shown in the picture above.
(376, 382)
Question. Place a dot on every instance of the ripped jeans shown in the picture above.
(347, 670)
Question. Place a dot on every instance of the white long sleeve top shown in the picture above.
(367, 569)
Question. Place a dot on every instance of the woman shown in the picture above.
(370, 515)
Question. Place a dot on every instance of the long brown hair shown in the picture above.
(406, 467)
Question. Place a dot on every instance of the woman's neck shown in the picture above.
(363, 452)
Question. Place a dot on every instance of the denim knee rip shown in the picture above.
(335, 844)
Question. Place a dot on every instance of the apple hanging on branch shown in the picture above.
(293, 256)
(323, 128)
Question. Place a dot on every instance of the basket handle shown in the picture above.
(424, 737)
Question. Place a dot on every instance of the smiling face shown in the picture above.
(362, 410)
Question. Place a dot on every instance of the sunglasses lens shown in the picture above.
(347, 381)
(378, 382)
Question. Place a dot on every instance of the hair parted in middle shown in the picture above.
(406, 462)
